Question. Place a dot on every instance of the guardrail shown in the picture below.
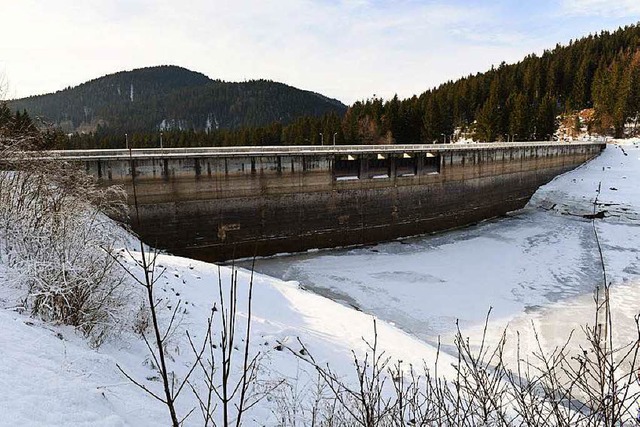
(139, 153)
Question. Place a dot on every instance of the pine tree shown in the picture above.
(6, 118)
(546, 119)
(432, 121)
(603, 97)
(520, 118)
(623, 99)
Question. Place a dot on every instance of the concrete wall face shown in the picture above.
(219, 207)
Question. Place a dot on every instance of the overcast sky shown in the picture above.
(345, 49)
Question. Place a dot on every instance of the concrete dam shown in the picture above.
(222, 203)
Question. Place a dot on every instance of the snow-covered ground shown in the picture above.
(49, 375)
(538, 264)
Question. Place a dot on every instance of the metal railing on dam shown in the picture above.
(140, 153)
(220, 203)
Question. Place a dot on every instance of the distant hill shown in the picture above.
(173, 98)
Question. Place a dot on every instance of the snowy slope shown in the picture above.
(50, 376)
(617, 170)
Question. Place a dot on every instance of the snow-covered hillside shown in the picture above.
(51, 376)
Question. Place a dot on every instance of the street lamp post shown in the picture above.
(126, 141)
(321, 139)
(334, 137)
(444, 138)
(161, 140)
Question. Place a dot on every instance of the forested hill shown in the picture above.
(519, 100)
(173, 98)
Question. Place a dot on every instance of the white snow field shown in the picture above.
(50, 376)
(540, 264)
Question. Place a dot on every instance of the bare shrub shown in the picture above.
(229, 387)
(306, 401)
(55, 234)
(222, 385)
(224, 375)
(4, 86)
(594, 387)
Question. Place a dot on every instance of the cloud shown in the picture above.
(604, 8)
(347, 49)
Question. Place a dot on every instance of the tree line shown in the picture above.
(306, 130)
(15, 124)
(18, 127)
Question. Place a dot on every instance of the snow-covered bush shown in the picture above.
(56, 243)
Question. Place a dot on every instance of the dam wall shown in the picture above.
(223, 203)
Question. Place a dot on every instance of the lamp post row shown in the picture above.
(322, 138)
(444, 138)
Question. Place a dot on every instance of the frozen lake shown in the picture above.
(543, 256)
